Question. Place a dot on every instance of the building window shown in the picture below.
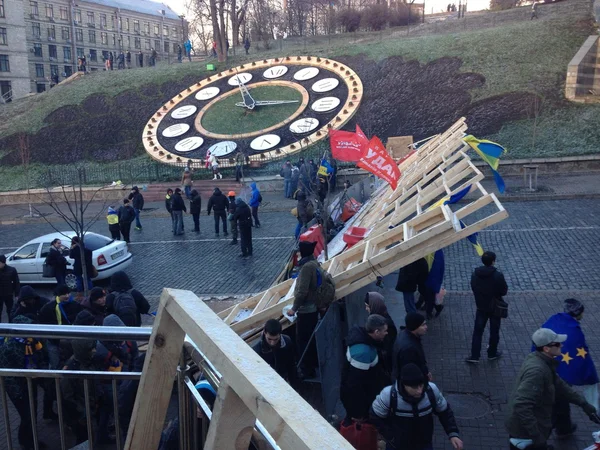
(137, 43)
(3, 37)
(37, 50)
(39, 70)
(67, 53)
(64, 13)
(104, 38)
(148, 46)
(105, 55)
(174, 32)
(128, 41)
(114, 39)
(126, 24)
(90, 16)
(166, 47)
(147, 27)
(80, 52)
(112, 22)
(92, 36)
(78, 34)
(35, 28)
(2, 8)
(5, 89)
(66, 33)
(53, 69)
(4, 64)
(40, 87)
(78, 15)
(51, 32)
(156, 29)
(136, 25)
(103, 20)
(68, 71)
(49, 11)
(34, 8)
(93, 55)
(165, 30)
(156, 44)
(52, 51)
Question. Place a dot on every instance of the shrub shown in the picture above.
(349, 19)
(374, 17)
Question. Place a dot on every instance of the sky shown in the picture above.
(435, 5)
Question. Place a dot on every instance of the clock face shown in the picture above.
(266, 109)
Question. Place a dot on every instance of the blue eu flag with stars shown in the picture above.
(576, 366)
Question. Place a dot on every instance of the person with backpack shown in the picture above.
(243, 218)
(124, 301)
(113, 223)
(403, 412)
(126, 217)
(305, 210)
(254, 203)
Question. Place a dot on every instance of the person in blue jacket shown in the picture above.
(254, 203)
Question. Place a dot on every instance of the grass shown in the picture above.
(226, 118)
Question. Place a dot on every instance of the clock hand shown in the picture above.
(274, 102)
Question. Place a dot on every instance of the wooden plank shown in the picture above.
(232, 422)
(160, 367)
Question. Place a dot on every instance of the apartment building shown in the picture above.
(57, 32)
(14, 66)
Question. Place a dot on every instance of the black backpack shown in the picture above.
(124, 306)
(394, 400)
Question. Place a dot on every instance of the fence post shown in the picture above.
(84, 175)
(119, 168)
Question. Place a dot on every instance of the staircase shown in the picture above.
(157, 192)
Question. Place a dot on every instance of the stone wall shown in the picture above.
(583, 74)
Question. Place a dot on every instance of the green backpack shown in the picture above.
(325, 289)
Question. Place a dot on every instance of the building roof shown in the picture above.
(141, 6)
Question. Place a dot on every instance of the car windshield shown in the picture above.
(96, 241)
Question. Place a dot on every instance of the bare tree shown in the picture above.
(68, 203)
(25, 153)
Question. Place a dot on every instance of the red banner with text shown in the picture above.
(377, 160)
(345, 145)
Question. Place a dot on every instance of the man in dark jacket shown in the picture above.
(230, 217)
(409, 348)
(362, 371)
(286, 174)
(220, 204)
(277, 351)
(121, 297)
(9, 286)
(137, 201)
(95, 304)
(304, 215)
(75, 255)
(29, 304)
(409, 278)
(126, 217)
(403, 413)
(305, 306)
(243, 218)
(529, 419)
(488, 286)
(57, 261)
(195, 208)
(177, 208)
(141, 59)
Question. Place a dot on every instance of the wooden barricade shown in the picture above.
(248, 390)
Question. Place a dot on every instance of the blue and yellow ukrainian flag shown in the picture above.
(490, 152)
(325, 168)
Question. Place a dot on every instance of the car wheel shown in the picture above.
(71, 280)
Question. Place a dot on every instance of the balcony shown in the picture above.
(51, 39)
(91, 25)
(34, 16)
(53, 58)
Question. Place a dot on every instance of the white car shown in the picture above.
(108, 256)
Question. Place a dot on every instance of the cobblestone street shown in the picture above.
(545, 249)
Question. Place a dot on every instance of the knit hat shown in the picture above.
(84, 318)
(111, 210)
(113, 320)
(3, 259)
(411, 375)
(61, 289)
(27, 292)
(573, 307)
(96, 293)
(306, 248)
(414, 320)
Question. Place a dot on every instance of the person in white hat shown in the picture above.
(529, 419)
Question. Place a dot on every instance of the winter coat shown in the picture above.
(168, 203)
(73, 393)
(530, 406)
(218, 202)
(126, 214)
(56, 260)
(119, 282)
(68, 309)
(137, 200)
(286, 172)
(295, 174)
(305, 292)
(410, 425)
(232, 205)
(412, 276)
(377, 306)
(9, 282)
(361, 373)
(75, 255)
(99, 312)
(127, 392)
(256, 198)
(177, 203)
(301, 207)
(282, 359)
(195, 203)
(124, 352)
(242, 215)
(488, 284)
(409, 349)
(30, 311)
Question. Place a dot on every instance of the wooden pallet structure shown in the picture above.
(406, 224)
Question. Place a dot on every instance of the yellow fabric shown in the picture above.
(57, 309)
(112, 219)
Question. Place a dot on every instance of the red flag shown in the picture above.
(376, 160)
(362, 136)
(345, 145)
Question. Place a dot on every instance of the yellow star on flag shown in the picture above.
(566, 358)
(581, 352)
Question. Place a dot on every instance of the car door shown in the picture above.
(25, 261)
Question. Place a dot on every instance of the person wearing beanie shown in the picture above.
(305, 306)
(575, 367)
(195, 209)
(375, 304)
(242, 218)
(529, 419)
(95, 304)
(403, 412)
(362, 373)
(232, 223)
(116, 356)
(137, 201)
(126, 216)
(112, 217)
(9, 286)
(409, 348)
(29, 304)
(220, 204)
(177, 209)
(124, 301)
(488, 285)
